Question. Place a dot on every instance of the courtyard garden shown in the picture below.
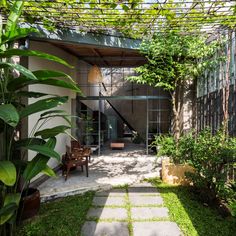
(67, 216)
(184, 52)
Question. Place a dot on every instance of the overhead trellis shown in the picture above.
(134, 18)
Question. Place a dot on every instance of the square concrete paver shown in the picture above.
(112, 193)
(164, 228)
(142, 184)
(108, 201)
(145, 200)
(148, 213)
(91, 228)
(108, 213)
(144, 194)
(143, 191)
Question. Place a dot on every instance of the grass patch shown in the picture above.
(193, 218)
(108, 206)
(146, 205)
(128, 208)
(97, 219)
(60, 217)
(152, 219)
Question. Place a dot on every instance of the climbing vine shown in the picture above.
(135, 18)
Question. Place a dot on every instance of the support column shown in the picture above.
(147, 126)
(99, 121)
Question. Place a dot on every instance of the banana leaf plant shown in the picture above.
(13, 168)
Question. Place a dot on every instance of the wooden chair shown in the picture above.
(75, 145)
(73, 159)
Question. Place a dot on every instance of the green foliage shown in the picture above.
(165, 145)
(12, 112)
(59, 217)
(143, 19)
(7, 173)
(193, 218)
(210, 155)
(173, 58)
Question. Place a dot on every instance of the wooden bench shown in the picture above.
(117, 145)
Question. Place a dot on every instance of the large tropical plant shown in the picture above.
(13, 168)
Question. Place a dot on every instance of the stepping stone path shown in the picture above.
(135, 211)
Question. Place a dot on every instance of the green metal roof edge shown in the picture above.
(95, 39)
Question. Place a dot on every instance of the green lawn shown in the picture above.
(60, 217)
(192, 216)
(66, 216)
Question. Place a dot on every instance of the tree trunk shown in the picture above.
(176, 107)
(225, 102)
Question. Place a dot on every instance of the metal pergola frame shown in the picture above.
(133, 17)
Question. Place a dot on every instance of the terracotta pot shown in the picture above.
(29, 204)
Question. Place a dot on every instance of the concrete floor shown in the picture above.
(112, 168)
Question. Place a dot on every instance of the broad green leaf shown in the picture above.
(51, 143)
(42, 105)
(41, 74)
(31, 94)
(46, 74)
(1, 24)
(52, 112)
(21, 82)
(49, 171)
(18, 34)
(12, 198)
(6, 212)
(7, 173)
(29, 141)
(60, 83)
(13, 17)
(44, 150)
(35, 166)
(47, 133)
(27, 53)
(64, 116)
(19, 68)
(9, 114)
(9, 199)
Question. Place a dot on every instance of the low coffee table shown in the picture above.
(117, 145)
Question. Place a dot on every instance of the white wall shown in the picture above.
(37, 64)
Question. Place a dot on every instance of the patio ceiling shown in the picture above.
(104, 56)
(96, 49)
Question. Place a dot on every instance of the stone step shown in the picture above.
(108, 213)
(145, 200)
(108, 201)
(91, 228)
(164, 228)
(148, 213)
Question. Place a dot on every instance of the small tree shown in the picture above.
(174, 58)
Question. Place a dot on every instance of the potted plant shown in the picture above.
(16, 172)
(174, 167)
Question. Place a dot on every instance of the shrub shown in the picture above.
(165, 145)
(210, 155)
